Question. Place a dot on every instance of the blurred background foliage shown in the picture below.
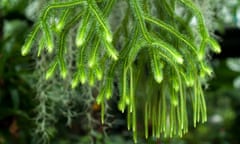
(17, 92)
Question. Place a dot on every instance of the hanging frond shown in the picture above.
(153, 56)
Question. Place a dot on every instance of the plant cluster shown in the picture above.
(145, 51)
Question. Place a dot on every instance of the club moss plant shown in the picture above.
(147, 53)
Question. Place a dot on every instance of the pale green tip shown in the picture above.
(215, 46)
(102, 113)
(91, 82)
(158, 78)
(74, 83)
(79, 42)
(200, 56)
(24, 51)
(64, 74)
(91, 63)
(146, 136)
(127, 100)
(108, 94)
(99, 100)
(207, 70)
(180, 60)
(50, 71)
(48, 75)
(114, 56)
(99, 74)
(121, 106)
(82, 76)
(59, 27)
(190, 82)
(174, 102)
(39, 52)
(108, 37)
(50, 47)
(83, 79)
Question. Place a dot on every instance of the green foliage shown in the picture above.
(223, 107)
(16, 101)
(80, 39)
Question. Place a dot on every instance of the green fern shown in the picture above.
(150, 35)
